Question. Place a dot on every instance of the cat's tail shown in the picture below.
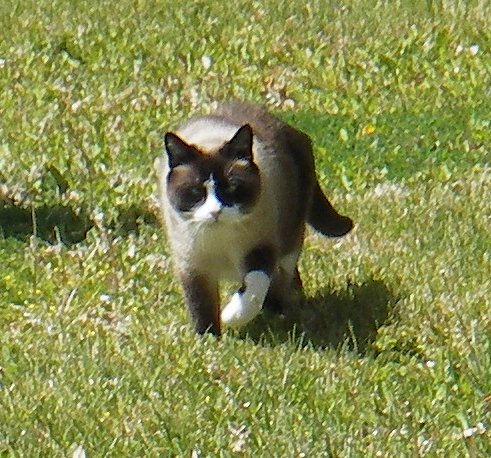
(324, 218)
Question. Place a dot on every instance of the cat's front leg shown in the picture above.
(248, 302)
(201, 294)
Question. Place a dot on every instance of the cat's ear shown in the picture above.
(240, 146)
(178, 151)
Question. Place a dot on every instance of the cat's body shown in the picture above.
(237, 188)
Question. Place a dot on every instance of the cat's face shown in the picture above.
(212, 187)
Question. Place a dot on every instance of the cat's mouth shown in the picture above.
(219, 215)
(210, 219)
(215, 216)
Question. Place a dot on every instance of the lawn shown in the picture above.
(389, 355)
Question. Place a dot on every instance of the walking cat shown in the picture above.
(237, 188)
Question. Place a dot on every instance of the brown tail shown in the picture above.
(324, 218)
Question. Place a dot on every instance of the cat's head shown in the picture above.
(216, 186)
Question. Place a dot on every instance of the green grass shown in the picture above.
(390, 355)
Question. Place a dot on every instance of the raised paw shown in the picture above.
(239, 311)
(247, 304)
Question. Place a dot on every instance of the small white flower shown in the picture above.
(73, 196)
(240, 435)
(456, 69)
(97, 216)
(458, 49)
(79, 452)
(425, 446)
(2, 62)
(476, 430)
(473, 50)
(430, 364)
(239, 445)
(132, 250)
(106, 298)
(194, 96)
(76, 106)
(289, 103)
(196, 453)
(206, 61)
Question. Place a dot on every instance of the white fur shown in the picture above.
(212, 207)
(212, 210)
(244, 307)
(208, 134)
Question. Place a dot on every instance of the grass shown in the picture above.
(390, 355)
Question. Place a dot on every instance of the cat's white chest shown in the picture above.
(222, 250)
(216, 248)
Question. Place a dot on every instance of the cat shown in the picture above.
(236, 189)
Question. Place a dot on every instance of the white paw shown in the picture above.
(239, 311)
(244, 307)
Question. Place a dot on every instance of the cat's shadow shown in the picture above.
(329, 319)
(67, 224)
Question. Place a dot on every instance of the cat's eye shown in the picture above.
(195, 193)
(233, 186)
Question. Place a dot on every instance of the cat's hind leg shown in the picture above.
(248, 302)
(286, 286)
